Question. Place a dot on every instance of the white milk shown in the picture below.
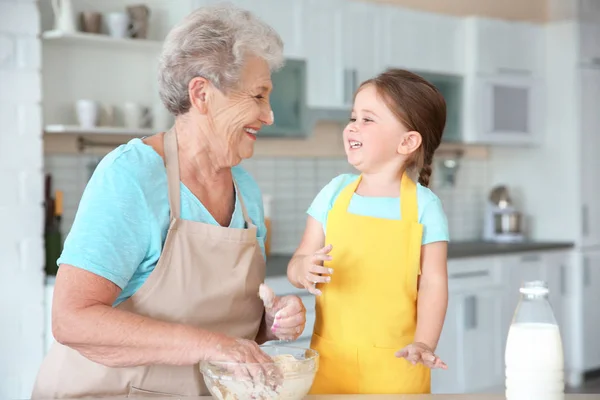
(534, 362)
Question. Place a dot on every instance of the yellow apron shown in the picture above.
(368, 311)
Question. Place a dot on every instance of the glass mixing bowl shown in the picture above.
(289, 377)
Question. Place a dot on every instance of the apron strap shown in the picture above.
(238, 195)
(173, 178)
(409, 209)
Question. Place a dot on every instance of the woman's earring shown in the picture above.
(272, 117)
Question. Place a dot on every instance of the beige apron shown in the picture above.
(207, 276)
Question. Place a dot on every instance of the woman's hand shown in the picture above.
(286, 316)
(421, 353)
(309, 270)
(249, 363)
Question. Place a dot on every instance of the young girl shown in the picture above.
(380, 315)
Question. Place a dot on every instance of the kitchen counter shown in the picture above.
(277, 264)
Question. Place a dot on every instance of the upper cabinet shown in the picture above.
(503, 91)
(323, 38)
(362, 56)
(422, 41)
(503, 47)
(589, 31)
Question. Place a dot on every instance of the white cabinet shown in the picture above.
(422, 42)
(589, 31)
(503, 47)
(323, 38)
(590, 162)
(473, 322)
(591, 315)
(362, 50)
(503, 88)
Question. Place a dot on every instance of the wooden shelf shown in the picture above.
(100, 40)
(100, 130)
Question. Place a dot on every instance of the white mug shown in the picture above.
(117, 24)
(137, 116)
(87, 113)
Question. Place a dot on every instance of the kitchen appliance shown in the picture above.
(503, 222)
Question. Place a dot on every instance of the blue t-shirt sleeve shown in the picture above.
(435, 222)
(110, 235)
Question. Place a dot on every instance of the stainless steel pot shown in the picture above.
(508, 222)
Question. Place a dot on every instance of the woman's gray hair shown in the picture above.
(212, 42)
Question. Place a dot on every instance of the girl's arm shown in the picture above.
(306, 264)
(432, 299)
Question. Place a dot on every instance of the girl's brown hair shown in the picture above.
(420, 107)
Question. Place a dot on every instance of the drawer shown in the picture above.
(466, 274)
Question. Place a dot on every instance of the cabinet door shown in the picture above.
(591, 316)
(590, 142)
(323, 40)
(503, 47)
(482, 329)
(589, 31)
(362, 47)
(450, 350)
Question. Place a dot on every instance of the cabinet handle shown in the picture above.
(471, 312)
(586, 272)
(473, 274)
(584, 220)
(350, 78)
(563, 284)
(530, 258)
(514, 71)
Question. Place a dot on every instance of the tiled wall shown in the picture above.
(21, 231)
(294, 182)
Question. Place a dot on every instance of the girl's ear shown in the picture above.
(409, 143)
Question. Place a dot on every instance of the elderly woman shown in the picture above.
(163, 264)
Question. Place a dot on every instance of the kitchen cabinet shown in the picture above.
(589, 31)
(421, 41)
(323, 38)
(473, 322)
(503, 89)
(502, 47)
(591, 317)
(590, 162)
(362, 47)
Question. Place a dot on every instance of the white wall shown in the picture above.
(21, 180)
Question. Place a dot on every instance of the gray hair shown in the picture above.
(212, 42)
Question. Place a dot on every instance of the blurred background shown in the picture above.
(518, 172)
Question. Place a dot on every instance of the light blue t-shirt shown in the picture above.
(431, 212)
(123, 217)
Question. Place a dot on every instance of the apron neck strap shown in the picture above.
(173, 178)
(238, 195)
(409, 209)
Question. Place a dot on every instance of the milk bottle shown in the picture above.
(534, 353)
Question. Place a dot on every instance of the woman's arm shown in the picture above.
(432, 299)
(83, 318)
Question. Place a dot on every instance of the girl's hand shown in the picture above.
(311, 270)
(421, 353)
